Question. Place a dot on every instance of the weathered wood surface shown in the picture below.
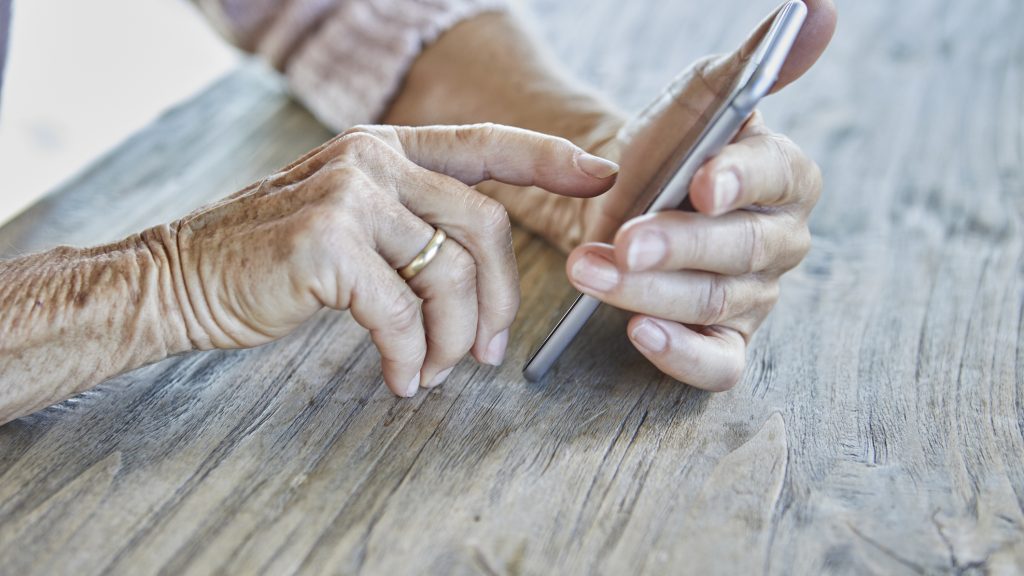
(879, 428)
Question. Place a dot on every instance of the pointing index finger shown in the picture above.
(479, 152)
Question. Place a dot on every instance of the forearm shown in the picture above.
(72, 318)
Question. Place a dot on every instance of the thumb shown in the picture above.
(680, 107)
(810, 44)
(479, 152)
(814, 37)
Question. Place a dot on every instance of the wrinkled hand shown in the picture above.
(331, 229)
(700, 282)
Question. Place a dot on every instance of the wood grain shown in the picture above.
(879, 428)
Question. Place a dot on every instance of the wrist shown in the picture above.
(176, 321)
(71, 318)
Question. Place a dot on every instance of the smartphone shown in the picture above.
(668, 189)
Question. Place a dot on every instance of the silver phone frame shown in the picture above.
(755, 82)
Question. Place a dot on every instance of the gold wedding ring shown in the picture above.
(425, 256)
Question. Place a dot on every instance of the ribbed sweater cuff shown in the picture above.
(350, 67)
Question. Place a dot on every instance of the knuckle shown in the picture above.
(486, 129)
(755, 245)
(716, 301)
(506, 306)
(348, 188)
(765, 298)
(462, 271)
(553, 147)
(780, 154)
(814, 184)
(695, 247)
(323, 223)
(770, 295)
(342, 175)
(795, 247)
(801, 243)
(449, 349)
(358, 142)
(473, 134)
(729, 370)
(500, 308)
(449, 343)
(701, 69)
(361, 129)
(367, 131)
(801, 178)
(709, 73)
(782, 149)
(404, 313)
(494, 219)
(378, 137)
(418, 355)
(805, 173)
(339, 174)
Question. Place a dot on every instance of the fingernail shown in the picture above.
(413, 386)
(727, 189)
(650, 336)
(495, 353)
(646, 250)
(596, 166)
(440, 378)
(595, 273)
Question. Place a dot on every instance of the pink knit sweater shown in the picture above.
(344, 59)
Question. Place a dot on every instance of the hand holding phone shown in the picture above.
(668, 189)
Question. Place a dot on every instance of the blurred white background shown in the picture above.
(83, 76)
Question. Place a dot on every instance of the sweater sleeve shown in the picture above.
(344, 59)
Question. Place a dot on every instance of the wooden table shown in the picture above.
(879, 427)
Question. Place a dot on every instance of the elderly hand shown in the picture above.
(702, 282)
(332, 228)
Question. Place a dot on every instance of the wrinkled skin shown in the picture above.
(331, 229)
(699, 282)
